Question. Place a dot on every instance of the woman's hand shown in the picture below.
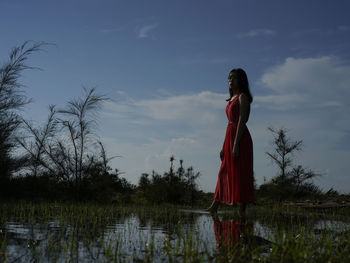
(235, 152)
(222, 154)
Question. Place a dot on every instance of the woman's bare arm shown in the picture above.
(243, 117)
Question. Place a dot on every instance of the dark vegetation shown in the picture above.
(64, 160)
(177, 187)
(292, 181)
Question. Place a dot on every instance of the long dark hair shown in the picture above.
(242, 82)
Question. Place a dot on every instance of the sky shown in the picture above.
(164, 65)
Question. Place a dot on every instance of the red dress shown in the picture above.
(236, 179)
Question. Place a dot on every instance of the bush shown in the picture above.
(177, 187)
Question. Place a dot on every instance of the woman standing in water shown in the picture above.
(236, 180)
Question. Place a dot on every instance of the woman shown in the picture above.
(236, 180)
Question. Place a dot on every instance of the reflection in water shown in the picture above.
(238, 236)
(156, 236)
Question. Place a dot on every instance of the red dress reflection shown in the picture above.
(228, 233)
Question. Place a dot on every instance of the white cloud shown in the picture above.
(144, 31)
(190, 109)
(306, 83)
(257, 32)
(343, 27)
(309, 89)
(193, 107)
(120, 92)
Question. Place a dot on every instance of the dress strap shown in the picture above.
(237, 96)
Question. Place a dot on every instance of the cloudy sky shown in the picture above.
(164, 64)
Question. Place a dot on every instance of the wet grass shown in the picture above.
(67, 232)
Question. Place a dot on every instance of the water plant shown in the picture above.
(60, 232)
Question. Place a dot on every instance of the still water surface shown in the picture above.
(131, 238)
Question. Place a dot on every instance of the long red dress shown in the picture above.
(236, 179)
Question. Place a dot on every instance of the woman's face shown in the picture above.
(232, 84)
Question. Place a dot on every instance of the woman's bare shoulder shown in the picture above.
(243, 98)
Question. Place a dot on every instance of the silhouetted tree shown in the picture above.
(12, 99)
(79, 127)
(291, 181)
(283, 148)
(63, 147)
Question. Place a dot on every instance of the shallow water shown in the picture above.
(133, 237)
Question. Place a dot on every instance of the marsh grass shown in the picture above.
(72, 232)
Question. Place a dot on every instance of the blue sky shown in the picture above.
(164, 64)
